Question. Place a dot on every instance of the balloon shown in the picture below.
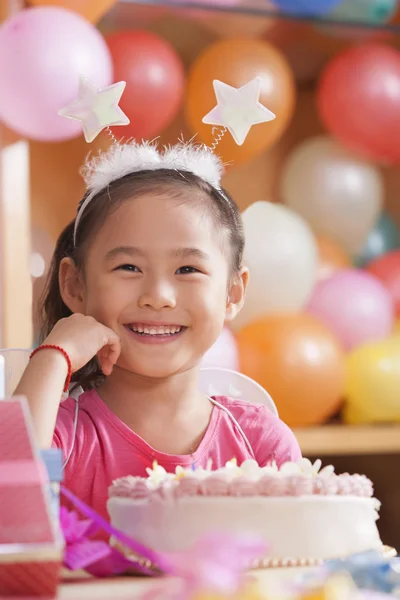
(281, 255)
(355, 306)
(92, 10)
(331, 256)
(359, 100)
(155, 81)
(396, 328)
(223, 353)
(387, 269)
(236, 62)
(384, 236)
(43, 51)
(371, 12)
(338, 193)
(299, 362)
(373, 383)
(306, 8)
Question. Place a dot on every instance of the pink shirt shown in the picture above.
(106, 449)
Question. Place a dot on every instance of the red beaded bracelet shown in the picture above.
(66, 356)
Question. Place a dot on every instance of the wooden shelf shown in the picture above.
(329, 440)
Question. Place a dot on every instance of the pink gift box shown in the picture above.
(31, 547)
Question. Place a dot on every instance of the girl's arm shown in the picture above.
(82, 337)
(42, 384)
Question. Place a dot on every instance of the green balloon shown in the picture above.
(385, 236)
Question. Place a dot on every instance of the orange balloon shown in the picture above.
(92, 10)
(236, 62)
(332, 257)
(299, 361)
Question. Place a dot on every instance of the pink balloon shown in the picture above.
(355, 306)
(43, 51)
(223, 353)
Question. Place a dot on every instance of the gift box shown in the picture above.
(31, 546)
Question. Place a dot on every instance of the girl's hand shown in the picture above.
(83, 337)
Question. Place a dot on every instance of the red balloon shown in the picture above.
(387, 269)
(359, 100)
(154, 75)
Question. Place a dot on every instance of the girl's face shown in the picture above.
(157, 273)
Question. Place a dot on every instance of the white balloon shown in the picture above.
(281, 254)
(338, 193)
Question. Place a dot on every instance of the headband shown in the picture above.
(237, 110)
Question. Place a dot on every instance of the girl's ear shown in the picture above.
(236, 293)
(71, 285)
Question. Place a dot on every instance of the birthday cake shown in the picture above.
(305, 514)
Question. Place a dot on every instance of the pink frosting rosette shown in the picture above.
(129, 487)
(242, 486)
(298, 485)
(215, 485)
(188, 486)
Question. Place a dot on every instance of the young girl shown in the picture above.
(140, 287)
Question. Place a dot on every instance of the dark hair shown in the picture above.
(224, 211)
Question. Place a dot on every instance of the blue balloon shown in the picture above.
(384, 237)
(307, 8)
(373, 12)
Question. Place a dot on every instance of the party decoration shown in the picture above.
(355, 306)
(369, 571)
(373, 383)
(155, 81)
(223, 353)
(238, 109)
(281, 255)
(384, 237)
(83, 553)
(40, 69)
(331, 256)
(396, 328)
(236, 62)
(387, 269)
(306, 8)
(96, 109)
(363, 112)
(299, 362)
(216, 564)
(80, 551)
(338, 193)
(92, 10)
(374, 12)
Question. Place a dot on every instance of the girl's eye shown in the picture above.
(187, 270)
(131, 268)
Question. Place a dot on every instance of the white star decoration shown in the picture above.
(238, 109)
(96, 108)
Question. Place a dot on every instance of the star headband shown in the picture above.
(237, 110)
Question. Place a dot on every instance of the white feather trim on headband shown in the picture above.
(122, 159)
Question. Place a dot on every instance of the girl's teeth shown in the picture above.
(162, 330)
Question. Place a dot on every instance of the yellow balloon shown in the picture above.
(396, 328)
(373, 383)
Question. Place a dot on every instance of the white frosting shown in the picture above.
(307, 527)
